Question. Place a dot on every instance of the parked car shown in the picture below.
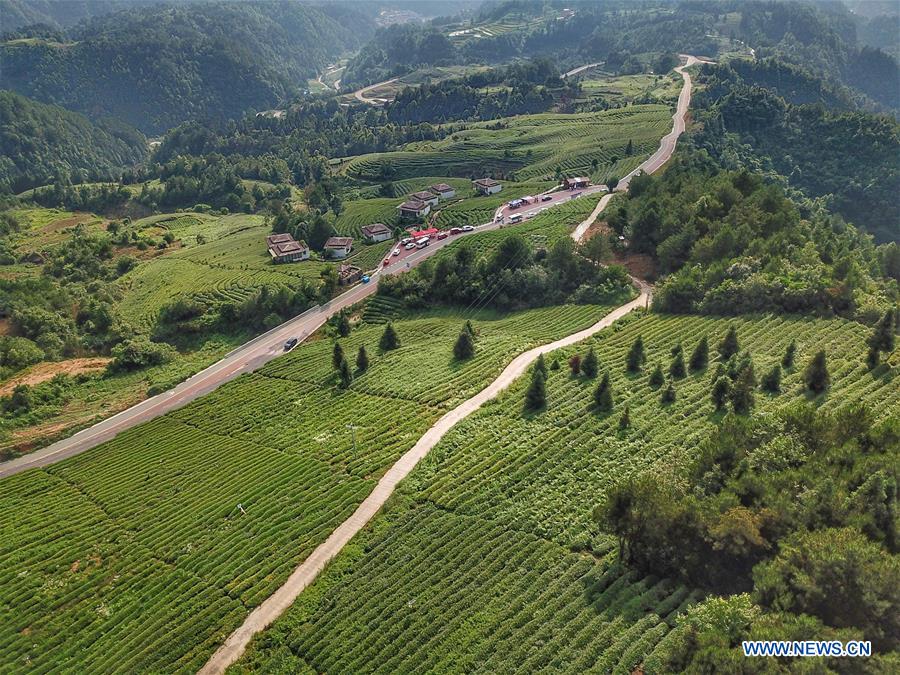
(547, 198)
(406, 240)
(468, 228)
(455, 230)
(442, 235)
(386, 262)
(409, 246)
(396, 251)
(365, 278)
(290, 344)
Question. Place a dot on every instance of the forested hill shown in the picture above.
(40, 143)
(209, 62)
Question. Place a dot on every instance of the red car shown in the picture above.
(455, 230)
(387, 261)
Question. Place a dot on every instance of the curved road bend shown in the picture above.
(360, 94)
(275, 605)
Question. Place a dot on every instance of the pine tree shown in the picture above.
(636, 356)
(771, 381)
(625, 419)
(337, 355)
(668, 395)
(873, 358)
(575, 365)
(677, 369)
(536, 396)
(362, 359)
(787, 360)
(603, 394)
(656, 377)
(816, 375)
(742, 391)
(465, 346)
(700, 355)
(470, 328)
(590, 366)
(882, 339)
(541, 365)
(389, 339)
(345, 374)
(343, 324)
(554, 364)
(721, 391)
(729, 345)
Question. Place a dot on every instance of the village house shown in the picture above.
(376, 232)
(575, 183)
(443, 190)
(487, 186)
(426, 197)
(284, 249)
(338, 247)
(348, 274)
(414, 209)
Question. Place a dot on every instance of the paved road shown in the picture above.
(360, 94)
(580, 69)
(275, 605)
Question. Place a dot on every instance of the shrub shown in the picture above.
(139, 353)
(700, 355)
(636, 356)
(603, 394)
(657, 379)
(362, 359)
(729, 345)
(536, 396)
(590, 365)
(575, 365)
(771, 382)
(464, 348)
(816, 376)
(389, 339)
(787, 361)
(668, 395)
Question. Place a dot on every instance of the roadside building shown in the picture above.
(285, 249)
(348, 274)
(426, 197)
(376, 232)
(575, 183)
(338, 247)
(487, 186)
(413, 209)
(443, 190)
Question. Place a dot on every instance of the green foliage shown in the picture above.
(636, 356)
(729, 346)
(575, 365)
(536, 396)
(464, 347)
(787, 361)
(743, 388)
(882, 338)
(700, 355)
(625, 419)
(656, 379)
(337, 356)
(603, 396)
(389, 339)
(677, 368)
(771, 381)
(138, 353)
(17, 353)
(590, 365)
(362, 359)
(345, 375)
(721, 392)
(816, 375)
(669, 394)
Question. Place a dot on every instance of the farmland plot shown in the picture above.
(488, 561)
(145, 552)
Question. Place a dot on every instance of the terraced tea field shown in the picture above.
(142, 554)
(530, 146)
(488, 561)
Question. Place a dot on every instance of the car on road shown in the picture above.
(407, 240)
(365, 278)
(575, 196)
(396, 251)
(386, 262)
(517, 218)
(442, 235)
(290, 344)
(547, 198)
(409, 246)
(468, 228)
(455, 230)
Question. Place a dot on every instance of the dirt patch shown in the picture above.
(50, 369)
(63, 223)
(639, 265)
(4, 327)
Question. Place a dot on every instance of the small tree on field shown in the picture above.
(465, 345)
(721, 391)
(589, 366)
(700, 355)
(816, 375)
(541, 365)
(625, 419)
(657, 379)
(554, 364)
(729, 345)
(536, 396)
(337, 355)
(575, 365)
(345, 374)
(668, 395)
(343, 324)
(882, 339)
(603, 394)
(636, 356)
(771, 381)
(742, 391)
(389, 339)
(362, 359)
(677, 369)
(787, 361)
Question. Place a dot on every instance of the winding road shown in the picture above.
(309, 569)
(360, 94)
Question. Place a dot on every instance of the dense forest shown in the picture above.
(42, 143)
(732, 243)
(209, 61)
(847, 156)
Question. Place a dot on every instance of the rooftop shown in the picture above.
(339, 242)
(486, 182)
(375, 228)
(441, 187)
(412, 205)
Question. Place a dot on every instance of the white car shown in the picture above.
(468, 228)
(410, 246)
(396, 251)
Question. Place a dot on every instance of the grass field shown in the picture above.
(488, 560)
(530, 146)
(597, 84)
(136, 557)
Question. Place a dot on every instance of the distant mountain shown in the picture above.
(155, 67)
(39, 143)
(58, 13)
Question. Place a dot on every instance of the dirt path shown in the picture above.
(275, 605)
(42, 372)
